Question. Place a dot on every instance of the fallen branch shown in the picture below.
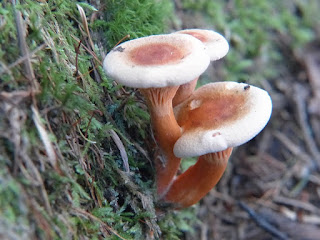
(262, 222)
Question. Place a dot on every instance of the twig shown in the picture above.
(92, 114)
(23, 58)
(295, 203)
(94, 218)
(21, 31)
(311, 60)
(85, 25)
(296, 230)
(77, 50)
(73, 142)
(308, 163)
(122, 150)
(84, 137)
(16, 118)
(88, 50)
(121, 40)
(300, 99)
(41, 220)
(30, 165)
(262, 222)
(204, 231)
(293, 148)
(45, 138)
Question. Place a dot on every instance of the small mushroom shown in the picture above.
(217, 47)
(214, 119)
(157, 65)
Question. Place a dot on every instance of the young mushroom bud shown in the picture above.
(216, 47)
(214, 119)
(157, 65)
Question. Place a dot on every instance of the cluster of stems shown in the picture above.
(189, 187)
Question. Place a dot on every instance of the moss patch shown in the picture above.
(63, 124)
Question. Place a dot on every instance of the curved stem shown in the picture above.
(184, 92)
(166, 132)
(192, 185)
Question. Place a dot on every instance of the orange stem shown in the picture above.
(184, 92)
(167, 164)
(192, 185)
(166, 132)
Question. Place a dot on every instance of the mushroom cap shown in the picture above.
(157, 61)
(217, 45)
(220, 115)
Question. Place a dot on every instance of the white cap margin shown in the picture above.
(217, 45)
(199, 142)
(118, 66)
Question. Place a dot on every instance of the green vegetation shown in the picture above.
(257, 32)
(136, 18)
(62, 102)
(58, 100)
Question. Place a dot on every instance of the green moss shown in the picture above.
(137, 18)
(79, 106)
(177, 223)
(13, 210)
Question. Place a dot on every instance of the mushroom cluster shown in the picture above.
(205, 123)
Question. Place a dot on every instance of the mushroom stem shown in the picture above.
(166, 132)
(184, 91)
(192, 185)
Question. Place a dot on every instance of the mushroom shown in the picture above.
(217, 47)
(214, 119)
(157, 65)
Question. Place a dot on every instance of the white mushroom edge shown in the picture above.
(118, 66)
(217, 45)
(197, 143)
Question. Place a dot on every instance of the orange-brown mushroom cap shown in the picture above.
(157, 61)
(217, 46)
(215, 118)
(221, 115)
